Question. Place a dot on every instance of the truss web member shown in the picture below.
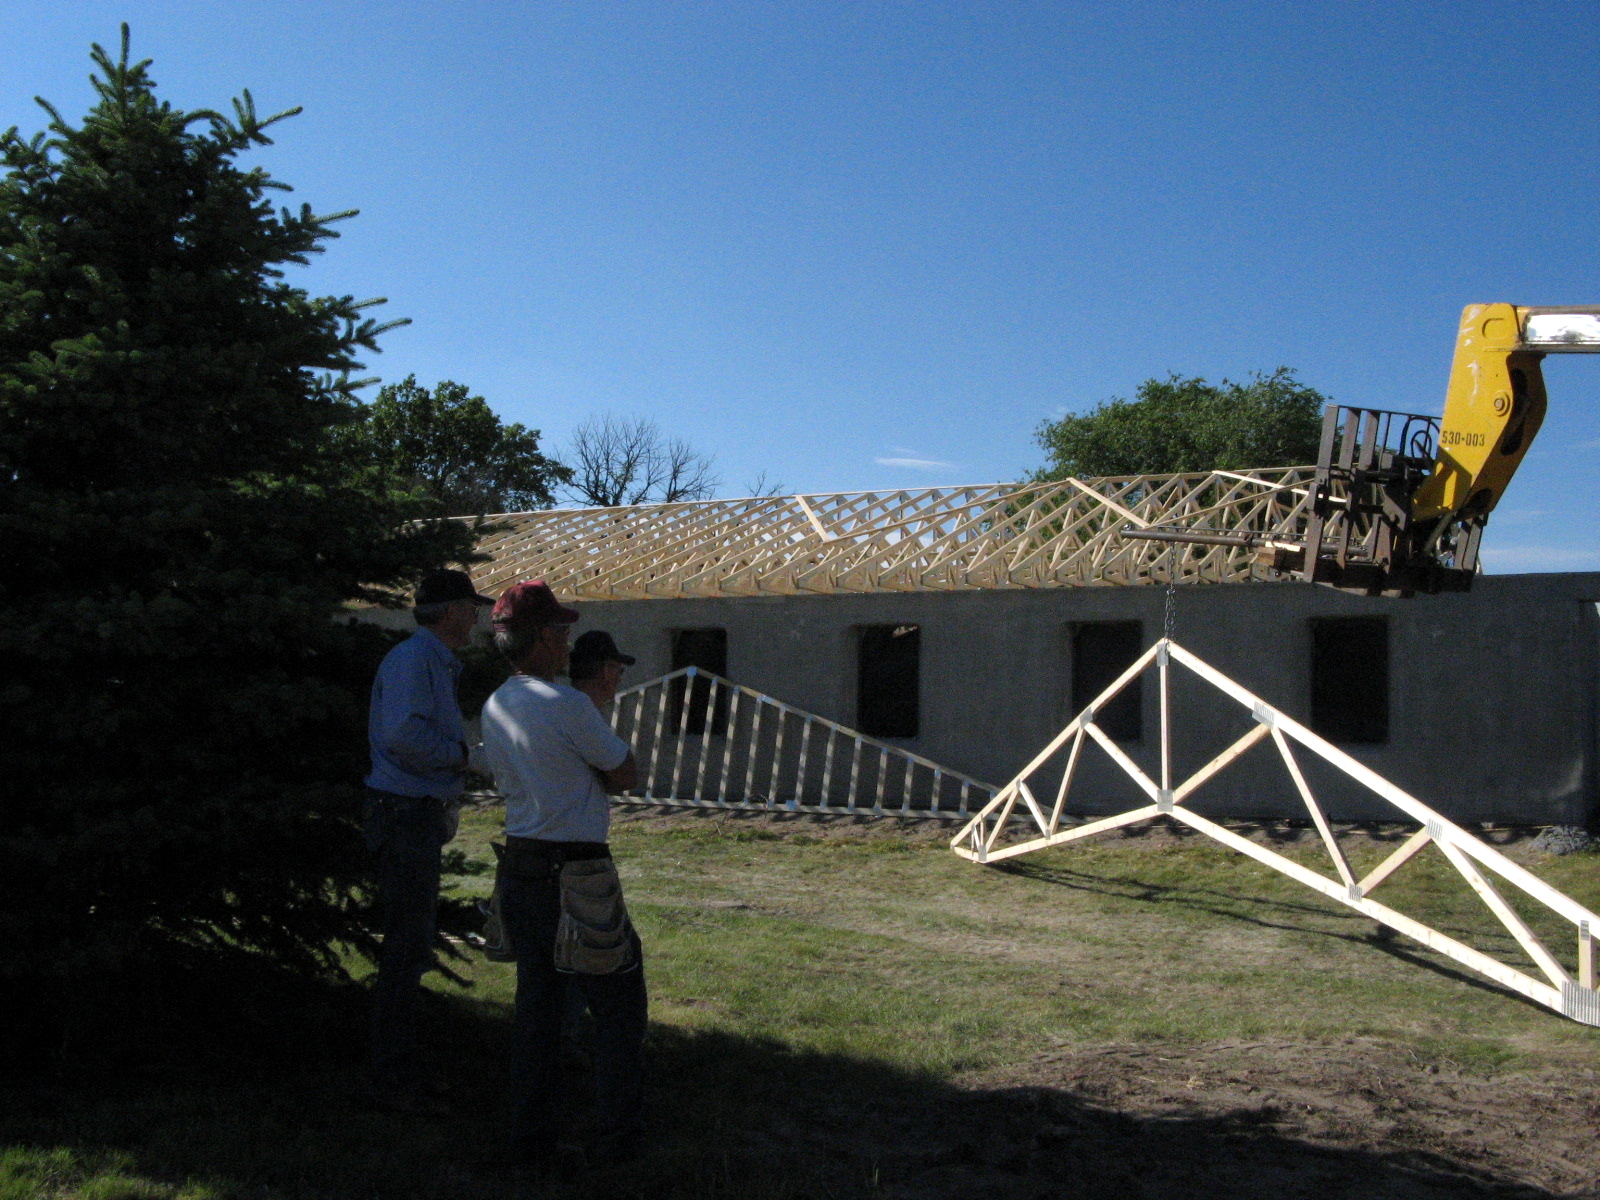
(419, 764)
(554, 759)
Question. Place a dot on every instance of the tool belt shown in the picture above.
(532, 857)
(594, 935)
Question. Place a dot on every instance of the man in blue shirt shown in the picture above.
(419, 763)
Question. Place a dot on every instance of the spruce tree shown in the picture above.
(182, 696)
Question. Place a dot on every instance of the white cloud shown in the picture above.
(916, 464)
(1540, 558)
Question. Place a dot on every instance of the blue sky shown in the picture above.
(873, 245)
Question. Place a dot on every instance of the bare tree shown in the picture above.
(764, 485)
(621, 460)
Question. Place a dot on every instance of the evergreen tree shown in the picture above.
(181, 702)
(1177, 424)
(449, 446)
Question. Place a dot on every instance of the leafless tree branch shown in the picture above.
(621, 460)
(765, 485)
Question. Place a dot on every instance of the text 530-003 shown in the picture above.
(1454, 437)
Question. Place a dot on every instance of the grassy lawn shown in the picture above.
(833, 1005)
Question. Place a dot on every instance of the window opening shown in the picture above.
(1102, 650)
(1350, 679)
(889, 680)
(706, 649)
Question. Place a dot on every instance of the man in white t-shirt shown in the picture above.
(555, 759)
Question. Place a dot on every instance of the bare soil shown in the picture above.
(1268, 1118)
(1275, 1117)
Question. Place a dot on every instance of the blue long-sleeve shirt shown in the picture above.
(418, 737)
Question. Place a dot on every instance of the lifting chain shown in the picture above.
(1170, 613)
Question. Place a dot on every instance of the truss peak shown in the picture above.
(1018, 821)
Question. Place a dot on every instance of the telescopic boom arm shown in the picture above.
(1400, 499)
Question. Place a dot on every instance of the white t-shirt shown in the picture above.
(542, 741)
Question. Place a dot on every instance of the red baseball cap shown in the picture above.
(528, 604)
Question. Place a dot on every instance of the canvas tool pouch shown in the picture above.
(594, 936)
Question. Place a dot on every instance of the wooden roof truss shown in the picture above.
(1020, 821)
(1065, 533)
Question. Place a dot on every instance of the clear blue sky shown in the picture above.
(873, 245)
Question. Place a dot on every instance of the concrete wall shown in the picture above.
(1492, 694)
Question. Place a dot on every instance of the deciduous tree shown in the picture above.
(617, 460)
(450, 446)
(1178, 424)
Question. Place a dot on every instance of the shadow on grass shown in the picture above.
(275, 1114)
(1253, 910)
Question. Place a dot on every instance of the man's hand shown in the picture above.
(621, 778)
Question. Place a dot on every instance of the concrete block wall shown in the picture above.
(1492, 694)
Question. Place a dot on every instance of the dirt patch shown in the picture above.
(1280, 1118)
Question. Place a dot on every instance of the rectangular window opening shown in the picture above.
(889, 680)
(1350, 679)
(706, 649)
(1102, 650)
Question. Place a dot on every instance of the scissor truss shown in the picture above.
(703, 742)
(1017, 822)
(1005, 535)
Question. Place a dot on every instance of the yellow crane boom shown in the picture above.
(1496, 401)
(1400, 499)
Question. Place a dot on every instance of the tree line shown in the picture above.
(450, 448)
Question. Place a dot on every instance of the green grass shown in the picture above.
(804, 973)
(1113, 940)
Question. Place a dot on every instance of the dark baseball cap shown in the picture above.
(443, 586)
(529, 604)
(597, 646)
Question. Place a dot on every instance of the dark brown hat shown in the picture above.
(597, 646)
(529, 604)
(443, 586)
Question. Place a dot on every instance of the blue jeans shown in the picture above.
(404, 834)
(530, 906)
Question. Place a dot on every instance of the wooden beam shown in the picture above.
(1531, 945)
(1066, 835)
(1493, 968)
(1395, 861)
(1190, 785)
(1321, 821)
(1445, 830)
